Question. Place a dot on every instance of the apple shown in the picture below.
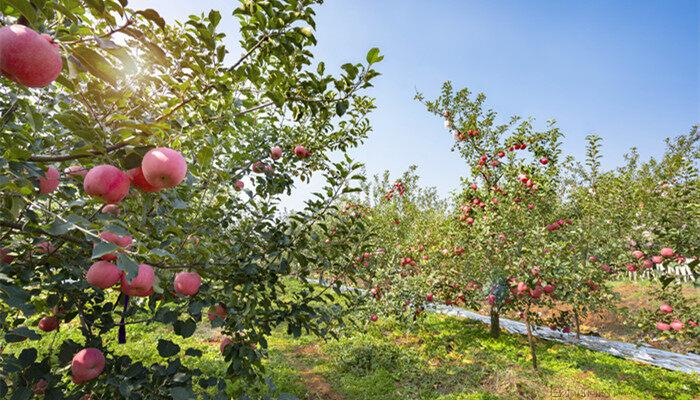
(593, 259)
(657, 259)
(111, 209)
(429, 297)
(692, 323)
(631, 267)
(301, 152)
(473, 186)
(187, 283)
(238, 186)
(606, 268)
(142, 284)
(5, 256)
(163, 167)
(536, 293)
(276, 152)
(567, 329)
(638, 254)
(108, 183)
(491, 299)
(549, 288)
(530, 206)
(521, 288)
(103, 274)
(258, 167)
(470, 221)
(666, 309)
(535, 270)
(217, 311)
(27, 57)
(373, 318)
(501, 153)
(45, 247)
(648, 264)
(666, 252)
(76, 170)
(40, 387)
(48, 324)
(121, 241)
(138, 180)
(224, 343)
(662, 326)
(87, 365)
(49, 182)
(677, 325)
(544, 161)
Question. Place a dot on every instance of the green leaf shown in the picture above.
(20, 334)
(341, 107)
(373, 56)
(166, 348)
(182, 393)
(95, 64)
(103, 248)
(25, 8)
(127, 265)
(152, 15)
(185, 328)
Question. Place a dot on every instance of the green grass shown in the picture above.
(439, 358)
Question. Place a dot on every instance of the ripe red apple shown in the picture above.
(276, 152)
(217, 311)
(138, 180)
(163, 167)
(108, 183)
(521, 288)
(648, 264)
(548, 288)
(666, 252)
(224, 343)
(544, 161)
(27, 57)
(49, 182)
(470, 221)
(501, 153)
(657, 259)
(662, 326)
(187, 283)
(238, 186)
(536, 293)
(76, 170)
(631, 267)
(87, 365)
(142, 284)
(121, 241)
(535, 270)
(373, 318)
(567, 329)
(638, 254)
(301, 152)
(666, 309)
(111, 209)
(593, 259)
(429, 297)
(692, 323)
(606, 268)
(48, 324)
(103, 274)
(677, 325)
(530, 206)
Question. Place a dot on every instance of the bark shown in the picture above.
(530, 338)
(495, 323)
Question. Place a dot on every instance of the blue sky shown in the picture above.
(628, 71)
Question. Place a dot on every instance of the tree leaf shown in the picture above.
(166, 348)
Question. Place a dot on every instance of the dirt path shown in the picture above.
(318, 387)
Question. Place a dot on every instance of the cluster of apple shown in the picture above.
(520, 288)
(558, 224)
(676, 325)
(649, 262)
(461, 136)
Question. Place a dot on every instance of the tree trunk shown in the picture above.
(495, 323)
(577, 323)
(530, 338)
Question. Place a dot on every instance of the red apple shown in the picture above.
(87, 365)
(108, 183)
(238, 186)
(429, 297)
(48, 324)
(111, 209)
(657, 259)
(276, 152)
(548, 288)
(662, 326)
(373, 318)
(217, 311)
(5, 256)
(138, 180)
(49, 182)
(27, 57)
(521, 288)
(40, 387)
(142, 284)
(187, 283)
(666, 252)
(163, 167)
(301, 152)
(638, 254)
(666, 309)
(677, 325)
(45, 247)
(76, 170)
(103, 274)
(224, 343)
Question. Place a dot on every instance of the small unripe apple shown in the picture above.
(103, 274)
(108, 183)
(142, 284)
(87, 365)
(276, 152)
(49, 182)
(666, 309)
(163, 167)
(48, 324)
(138, 180)
(187, 283)
(27, 57)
